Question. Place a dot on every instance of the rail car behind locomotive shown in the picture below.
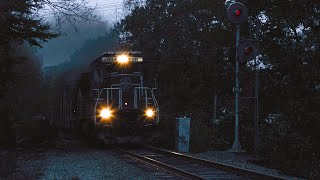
(114, 101)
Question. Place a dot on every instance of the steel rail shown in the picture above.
(169, 168)
(217, 165)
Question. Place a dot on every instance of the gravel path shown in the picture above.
(88, 164)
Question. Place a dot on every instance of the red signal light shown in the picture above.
(248, 50)
(237, 12)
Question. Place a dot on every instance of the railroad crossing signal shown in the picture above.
(237, 13)
(247, 50)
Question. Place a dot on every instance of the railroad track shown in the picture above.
(189, 167)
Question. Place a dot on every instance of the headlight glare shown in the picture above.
(149, 113)
(105, 113)
(122, 59)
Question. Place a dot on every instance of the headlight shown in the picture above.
(105, 113)
(122, 59)
(149, 113)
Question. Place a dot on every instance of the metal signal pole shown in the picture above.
(256, 120)
(236, 143)
(237, 14)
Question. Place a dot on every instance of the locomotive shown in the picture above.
(114, 101)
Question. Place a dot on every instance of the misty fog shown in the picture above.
(72, 38)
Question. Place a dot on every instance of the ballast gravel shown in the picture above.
(236, 160)
(89, 164)
(106, 164)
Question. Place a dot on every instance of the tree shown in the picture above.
(191, 41)
(20, 24)
(17, 26)
(197, 34)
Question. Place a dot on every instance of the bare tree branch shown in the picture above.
(72, 11)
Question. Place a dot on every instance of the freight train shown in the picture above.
(114, 101)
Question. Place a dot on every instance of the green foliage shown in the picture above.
(196, 42)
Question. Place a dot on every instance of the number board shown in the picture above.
(114, 59)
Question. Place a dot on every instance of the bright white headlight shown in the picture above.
(105, 113)
(149, 113)
(122, 59)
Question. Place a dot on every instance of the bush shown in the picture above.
(222, 135)
(201, 132)
(314, 171)
(199, 136)
(7, 129)
(167, 130)
(36, 131)
(280, 145)
(7, 163)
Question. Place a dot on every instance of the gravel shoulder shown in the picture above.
(241, 161)
(85, 164)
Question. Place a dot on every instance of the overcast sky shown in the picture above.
(59, 49)
(108, 9)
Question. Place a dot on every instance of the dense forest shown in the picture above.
(195, 42)
(198, 34)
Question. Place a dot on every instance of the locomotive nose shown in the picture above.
(127, 118)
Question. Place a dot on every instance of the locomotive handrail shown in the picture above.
(112, 88)
(152, 96)
(153, 89)
(156, 103)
